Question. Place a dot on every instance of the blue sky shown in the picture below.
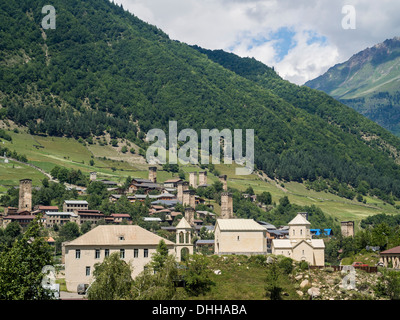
(301, 39)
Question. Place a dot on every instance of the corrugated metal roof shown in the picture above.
(51, 213)
(239, 224)
(76, 202)
(205, 242)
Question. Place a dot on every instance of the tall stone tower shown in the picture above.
(202, 177)
(189, 215)
(189, 198)
(153, 174)
(182, 186)
(222, 178)
(347, 228)
(193, 179)
(226, 205)
(93, 176)
(25, 195)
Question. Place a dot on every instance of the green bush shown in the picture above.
(286, 264)
(303, 265)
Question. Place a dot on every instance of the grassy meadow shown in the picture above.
(110, 163)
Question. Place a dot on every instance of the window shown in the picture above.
(293, 231)
(145, 253)
(301, 232)
(97, 254)
(106, 252)
(135, 253)
(122, 253)
(87, 271)
(238, 238)
(77, 253)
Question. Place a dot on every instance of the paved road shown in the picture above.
(70, 296)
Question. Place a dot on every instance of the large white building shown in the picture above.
(300, 246)
(239, 236)
(134, 244)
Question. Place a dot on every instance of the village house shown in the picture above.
(300, 245)
(44, 209)
(59, 218)
(71, 205)
(143, 184)
(390, 258)
(121, 217)
(91, 216)
(22, 219)
(172, 183)
(143, 197)
(134, 244)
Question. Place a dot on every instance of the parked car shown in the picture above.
(82, 287)
(359, 264)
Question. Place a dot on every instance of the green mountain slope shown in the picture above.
(102, 70)
(369, 83)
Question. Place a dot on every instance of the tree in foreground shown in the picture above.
(388, 285)
(21, 266)
(273, 286)
(197, 275)
(113, 279)
(158, 284)
(160, 257)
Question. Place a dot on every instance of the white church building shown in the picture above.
(300, 245)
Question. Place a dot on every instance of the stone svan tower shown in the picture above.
(226, 205)
(153, 174)
(25, 195)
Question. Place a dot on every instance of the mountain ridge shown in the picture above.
(369, 83)
(104, 71)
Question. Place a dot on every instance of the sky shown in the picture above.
(301, 39)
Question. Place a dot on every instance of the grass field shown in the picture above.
(110, 163)
(12, 172)
(240, 279)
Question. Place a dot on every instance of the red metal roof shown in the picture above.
(395, 250)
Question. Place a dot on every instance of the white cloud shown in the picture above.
(235, 24)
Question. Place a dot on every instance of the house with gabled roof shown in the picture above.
(391, 257)
(134, 245)
(239, 236)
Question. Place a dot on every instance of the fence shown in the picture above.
(369, 269)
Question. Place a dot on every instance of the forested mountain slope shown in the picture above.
(103, 70)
